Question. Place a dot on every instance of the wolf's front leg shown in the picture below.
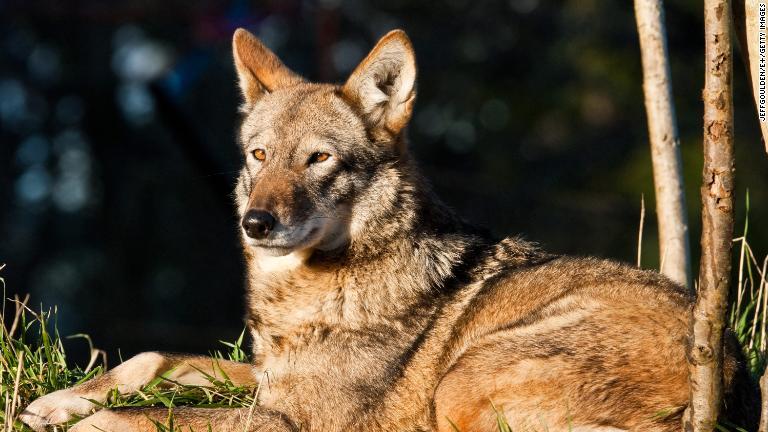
(59, 406)
(186, 418)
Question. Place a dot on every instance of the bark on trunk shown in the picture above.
(708, 320)
(751, 24)
(665, 142)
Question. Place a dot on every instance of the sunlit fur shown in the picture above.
(373, 307)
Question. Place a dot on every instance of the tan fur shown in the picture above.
(372, 307)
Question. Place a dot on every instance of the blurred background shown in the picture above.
(118, 154)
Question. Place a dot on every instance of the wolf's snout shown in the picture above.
(258, 223)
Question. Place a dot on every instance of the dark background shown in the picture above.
(117, 140)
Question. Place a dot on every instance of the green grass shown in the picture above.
(33, 361)
(749, 304)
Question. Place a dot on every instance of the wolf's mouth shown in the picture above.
(284, 241)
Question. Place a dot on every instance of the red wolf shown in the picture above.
(373, 307)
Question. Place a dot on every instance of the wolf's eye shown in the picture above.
(259, 154)
(318, 157)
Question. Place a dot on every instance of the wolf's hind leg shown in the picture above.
(577, 370)
(59, 406)
(186, 418)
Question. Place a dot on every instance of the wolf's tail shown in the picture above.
(741, 401)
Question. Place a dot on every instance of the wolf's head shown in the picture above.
(323, 162)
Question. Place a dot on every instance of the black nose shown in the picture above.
(258, 223)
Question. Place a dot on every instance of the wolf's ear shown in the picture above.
(258, 69)
(383, 85)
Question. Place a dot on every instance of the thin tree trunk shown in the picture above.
(751, 26)
(708, 320)
(764, 404)
(665, 142)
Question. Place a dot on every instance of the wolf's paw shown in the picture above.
(55, 408)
